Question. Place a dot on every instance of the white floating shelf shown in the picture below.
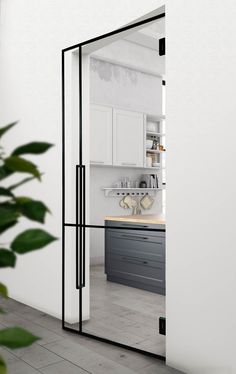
(120, 192)
(126, 166)
(154, 151)
(155, 117)
(158, 134)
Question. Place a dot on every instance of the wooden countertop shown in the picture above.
(142, 218)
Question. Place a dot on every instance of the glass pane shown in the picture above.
(126, 301)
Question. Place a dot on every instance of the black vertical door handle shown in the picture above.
(80, 225)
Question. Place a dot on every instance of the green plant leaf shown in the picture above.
(16, 337)
(2, 311)
(18, 164)
(7, 216)
(8, 205)
(23, 181)
(30, 240)
(22, 199)
(7, 226)
(3, 290)
(4, 172)
(33, 148)
(7, 258)
(5, 192)
(3, 369)
(6, 128)
(34, 210)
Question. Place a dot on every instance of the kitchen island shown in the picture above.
(135, 251)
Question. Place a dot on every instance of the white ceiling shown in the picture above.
(149, 36)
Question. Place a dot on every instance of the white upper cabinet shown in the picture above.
(128, 138)
(100, 135)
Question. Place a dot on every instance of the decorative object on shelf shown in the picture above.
(149, 144)
(162, 148)
(126, 183)
(143, 184)
(149, 161)
(152, 159)
(117, 184)
(155, 144)
(129, 202)
(151, 126)
(123, 204)
(146, 202)
(137, 209)
(151, 180)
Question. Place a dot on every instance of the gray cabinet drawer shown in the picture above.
(143, 272)
(138, 228)
(136, 245)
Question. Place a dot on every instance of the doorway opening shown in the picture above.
(113, 222)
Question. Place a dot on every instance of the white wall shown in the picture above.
(201, 60)
(32, 36)
(201, 185)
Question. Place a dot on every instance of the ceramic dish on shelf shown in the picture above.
(151, 126)
(149, 144)
(156, 164)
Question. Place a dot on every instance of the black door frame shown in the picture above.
(80, 224)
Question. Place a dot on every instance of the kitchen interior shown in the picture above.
(127, 190)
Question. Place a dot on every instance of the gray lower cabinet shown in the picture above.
(135, 258)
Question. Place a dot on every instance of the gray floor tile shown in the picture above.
(125, 314)
(131, 360)
(7, 356)
(37, 356)
(159, 369)
(46, 336)
(87, 359)
(20, 367)
(63, 367)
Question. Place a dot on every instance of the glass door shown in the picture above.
(116, 222)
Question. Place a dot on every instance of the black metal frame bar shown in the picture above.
(80, 224)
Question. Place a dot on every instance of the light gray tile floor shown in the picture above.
(125, 314)
(60, 352)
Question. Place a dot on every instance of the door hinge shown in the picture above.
(162, 325)
(162, 47)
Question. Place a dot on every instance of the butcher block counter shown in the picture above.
(142, 218)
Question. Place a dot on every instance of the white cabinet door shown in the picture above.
(128, 138)
(100, 135)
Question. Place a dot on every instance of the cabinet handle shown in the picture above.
(97, 162)
(134, 237)
(129, 163)
(130, 225)
(133, 260)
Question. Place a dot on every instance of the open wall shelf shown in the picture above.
(156, 168)
(155, 134)
(120, 192)
(154, 151)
